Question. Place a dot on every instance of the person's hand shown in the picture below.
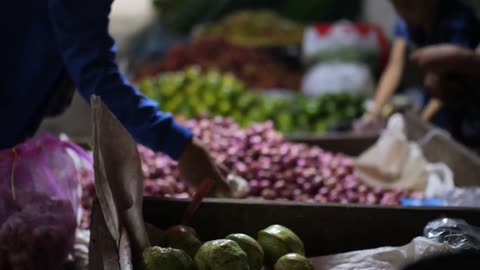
(446, 66)
(442, 86)
(370, 123)
(196, 165)
(447, 59)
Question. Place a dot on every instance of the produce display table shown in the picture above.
(324, 228)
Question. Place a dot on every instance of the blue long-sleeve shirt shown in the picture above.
(45, 39)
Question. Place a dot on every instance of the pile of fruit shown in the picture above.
(255, 29)
(257, 68)
(192, 93)
(276, 247)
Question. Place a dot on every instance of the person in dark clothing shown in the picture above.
(422, 24)
(452, 74)
(49, 48)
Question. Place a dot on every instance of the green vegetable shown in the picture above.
(277, 241)
(184, 238)
(221, 255)
(255, 28)
(193, 93)
(155, 258)
(253, 250)
(293, 261)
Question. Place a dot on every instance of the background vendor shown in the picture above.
(421, 24)
(452, 74)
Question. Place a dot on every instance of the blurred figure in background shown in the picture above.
(420, 24)
(452, 74)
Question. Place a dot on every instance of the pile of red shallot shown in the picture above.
(275, 168)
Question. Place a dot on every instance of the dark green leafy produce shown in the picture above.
(251, 247)
(155, 258)
(194, 93)
(293, 261)
(182, 15)
(184, 238)
(221, 255)
(277, 241)
(260, 28)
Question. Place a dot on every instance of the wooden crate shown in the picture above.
(349, 144)
(324, 228)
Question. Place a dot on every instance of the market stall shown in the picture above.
(340, 228)
(277, 92)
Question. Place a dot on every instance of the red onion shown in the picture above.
(320, 198)
(274, 167)
(279, 184)
(269, 194)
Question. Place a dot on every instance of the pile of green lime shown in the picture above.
(193, 92)
(276, 247)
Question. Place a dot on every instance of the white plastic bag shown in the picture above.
(384, 258)
(337, 77)
(395, 163)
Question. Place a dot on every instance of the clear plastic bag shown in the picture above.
(463, 197)
(39, 202)
(385, 258)
(457, 233)
(394, 162)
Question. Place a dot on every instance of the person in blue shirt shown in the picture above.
(50, 46)
(421, 24)
(452, 74)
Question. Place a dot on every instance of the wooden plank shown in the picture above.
(352, 145)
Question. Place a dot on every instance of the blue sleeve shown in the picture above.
(88, 52)
(400, 29)
(464, 30)
(458, 35)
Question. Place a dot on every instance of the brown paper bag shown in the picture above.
(119, 184)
